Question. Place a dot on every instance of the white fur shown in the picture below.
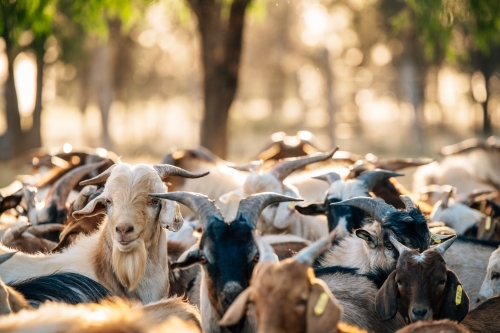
(491, 287)
(457, 215)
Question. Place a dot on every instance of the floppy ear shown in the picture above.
(312, 209)
(94, 207)
(455, 301)
(386, 301)
(323, 310)
(9, 202)
(367, 237)
(170, 216)
(237, 310)
(189, 258)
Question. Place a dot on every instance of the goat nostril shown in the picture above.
(124, 229)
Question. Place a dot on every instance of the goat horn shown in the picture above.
(6, 256)
(166, 170)
(400, 247)
(441, 248)
(375, 207)
(310, 253)
(266, 252)
(371, 178)
(288, 165)
(409, 204)
(83, 197)
(59, 192)
(99, 179)
(330, 177)
(447, 196)
(200, 204)
(249, 167)
(252, 206)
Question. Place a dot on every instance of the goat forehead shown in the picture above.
(131, 181)
(290, 278)
(429, 261)
(261, 182)
(344, 190)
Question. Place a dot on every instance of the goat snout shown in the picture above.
(419, 313)
(124, 229)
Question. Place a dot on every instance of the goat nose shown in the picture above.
(124, 229)
(419, 313)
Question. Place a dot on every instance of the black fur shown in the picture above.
(378, 276)
(66, 287)
(410, 228)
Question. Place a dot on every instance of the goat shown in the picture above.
(284, 146)
(434, 326)
(422, 287)
(484, 317)
(10, 299)
(369, 250)
(226, 252)
(491, 282)
(345, 219)
(32, 238)
(108, 316)
(128, 255)
(282, 218)
(286, 297)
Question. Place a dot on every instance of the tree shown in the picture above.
(220, 23)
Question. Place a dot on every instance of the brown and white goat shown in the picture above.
(128, 254)
(422, 287)
(286, 297)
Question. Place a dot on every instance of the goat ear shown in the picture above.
(367, 237)
(170, 215)
(455, 302)
(237, 310)
(9, 202)
(94, 207)
(283, 217)
(323, 310)
(189, 258)
(312, 209)
(233, 195)
(386, 301)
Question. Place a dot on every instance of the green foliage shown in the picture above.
(449, 26)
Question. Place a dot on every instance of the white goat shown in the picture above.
(491, 283)
(128, 254)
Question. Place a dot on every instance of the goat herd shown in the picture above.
(320, 243)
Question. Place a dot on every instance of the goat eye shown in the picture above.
(301, 302)
(495, 276)
(202, 259)
(256, 258)
(154, 202)
(442, 281)
(399, 282)
(389, 246)
(108, 202)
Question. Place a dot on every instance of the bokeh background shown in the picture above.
(143, 78)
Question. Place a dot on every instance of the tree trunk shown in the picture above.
(221, 52)
(34, 136)
(104, 89)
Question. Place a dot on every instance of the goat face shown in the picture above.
(491, 283)
(421, 288)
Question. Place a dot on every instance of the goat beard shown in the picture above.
(130, 266)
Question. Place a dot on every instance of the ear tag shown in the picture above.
(435, 239)
(488, 223)
(177, 213)
(321, 304)
(291, 205)
(458, 296)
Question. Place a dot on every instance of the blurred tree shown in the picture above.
(220, 23)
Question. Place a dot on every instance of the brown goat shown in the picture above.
(434, 326)
(287, 297)
(32, 239)
(484, 317)
(421, 287)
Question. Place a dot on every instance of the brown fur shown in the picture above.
(434, 326)
(484, 317)
(172, 307)
(288, 249)
(31, 239)
(86, 226)
(116, 317)
(11, 301)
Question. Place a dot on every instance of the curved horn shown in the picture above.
(462, 147)
(400, 247)
(375, 207)
(249, 167)
(59, 192)
(409, 204)
(200, 204)
(285, 167)
(83, 197)
(310, 253)
(6, 256)
(266, 252)
(371, 178)
(252, 206)
(330, 177)
(441, 248)
(446, 197)
(14, 232)
(166, 170)
(99, 179)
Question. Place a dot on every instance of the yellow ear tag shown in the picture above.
(291, 205)
(488, 223)
(458, 296)
(321, 304)
(435, 239)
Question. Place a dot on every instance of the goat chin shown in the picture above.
(130, 266)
